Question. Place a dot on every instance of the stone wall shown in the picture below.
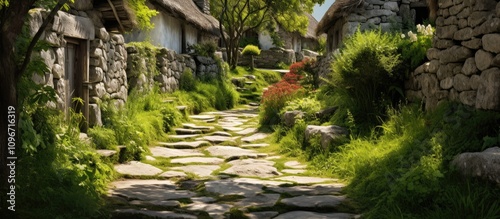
(465, 58)
(269, 58)
(323, 66)
(168, 69)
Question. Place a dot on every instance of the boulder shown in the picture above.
(484, 164)
(327, 133)
(289, 117)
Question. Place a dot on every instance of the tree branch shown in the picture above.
(50, 17)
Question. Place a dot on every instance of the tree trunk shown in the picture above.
(251, 63)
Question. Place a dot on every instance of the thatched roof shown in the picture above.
(340, 8)
(116, 15)
(311, 28)
(188, 11)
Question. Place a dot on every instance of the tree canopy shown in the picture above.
(238, 16)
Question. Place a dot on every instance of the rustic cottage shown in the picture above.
(179, 24)
(344, 17)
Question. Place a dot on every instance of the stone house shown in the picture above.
(464, 59)
(292, 40)
(345, 16)
(179, 24)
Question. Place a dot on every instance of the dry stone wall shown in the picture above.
(464, 62)
(269, 58)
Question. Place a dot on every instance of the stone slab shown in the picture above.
(246, 131)
(262, 215)
(203, 199)
(150, 158)
(317, 201)
(173, 174)
(255, 137)
(221, 133)
(254, 170)
(199, 170)
(203, 160)
(202, 117)
(255, 145)
(259, 201)
(230, 152)
(182, 131)
(293, 171)
(140, 213)
(230, 124)
(182, 136)
(149, 190)
(252, 162)
(231, 187)
(295, 165)
(204, 129)
(325, 189)
(315, 215)
(216, 211)
(169, 152)
(157, 203)
(231, 128)
(136, 168)
(106, 153)
(260, 182)
(305, 179)
(217, 139)
(184, 144)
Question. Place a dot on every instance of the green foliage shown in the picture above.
(321, 47)
(103, 138)
(276, 39)
(291, 140)
(250, 50)
(214, 94)
(406, 171)
(148, 52)
(187, 82)
(414, 47)
(244, 41)
(143, 14)
(308, 105)
(205, 49)
(367, 75)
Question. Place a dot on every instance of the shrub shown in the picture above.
(367, 73)
(308, 105)
(250, 50)
(275, 98)
(103, 138)
(205, 49)
(414, 46)
(304, 68)
(187, 81)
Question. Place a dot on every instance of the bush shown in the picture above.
(367, 72)
(103, 138)
(308, 105)
(276, 96)
(205, 49)
(250, 50)
(187, 81)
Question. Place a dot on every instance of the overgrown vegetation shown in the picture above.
(397, 158)
(142, 14)
(205, 49)
(253, 92)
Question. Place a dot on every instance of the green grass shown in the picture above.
(264, 78)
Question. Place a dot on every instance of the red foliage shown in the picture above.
(297, 68)
(292, 78)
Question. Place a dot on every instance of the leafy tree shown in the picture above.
(238, 16)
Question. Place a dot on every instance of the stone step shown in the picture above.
(182, 136)
(314, 201)
(183, 131)
(254, 137)
(143, 213)
(181, 108)
(255, 145)
(171, 152)
(205, 118)
(136, 168)
(246, 131)
(220, 133)
(254, 104)
(204, 129)
(184, 145)
(215, 139)
(106, 153)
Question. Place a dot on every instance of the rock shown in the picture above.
(202, 117)
(484, 5)
(474, 82)
(317, 201)
(262, 215)
(136, 168)
(433, 53)
(76, 26)
(168, 152)
(446, 32)
(489, 26)
(484, 164)
(393, 6)
(461, 82)
(470, 67)
(478, 17)
(57, 71)
(463, 34)
(295, 165)
(230, 187)
(455, 54)
(289, 117)
(220, 133)
(321, 189)
(181, 131)
(246, 131)
(474, 43)
(217, 139)
(94, 115)
(149, 190)
(488, 92)
(184, 145)
(231, 153)
(204, 129)
(182, 136)
(173, 174)
(254, 170)
(315, 215)
(259, 201)
(468, 97)
(95, 74)
(199, 170)
(483, 59)
(490, 43)
(304, 179)
(203, 160)
(134, 213)
(231, 128)
(378, 13)
(203, 199)
(106, 153)
(446, 83)
(215, 211)
(255, 137)
(327, 133)
(254, 145)
(156, 203)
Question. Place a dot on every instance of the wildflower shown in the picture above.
(413, 37)
(428, 30)
(403, 36)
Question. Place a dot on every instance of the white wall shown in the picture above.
(167, 33)
(191, 35)
(265, 41)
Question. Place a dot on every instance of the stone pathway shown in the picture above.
(213, 169)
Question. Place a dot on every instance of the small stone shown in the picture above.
(446, 83)
(173, 174)
(255, 137)
(184, 145)
(461, 82)
(199, 170)
(169, 152)
(136, 168)
(483, 59)
(491, 43)
(469, 67)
